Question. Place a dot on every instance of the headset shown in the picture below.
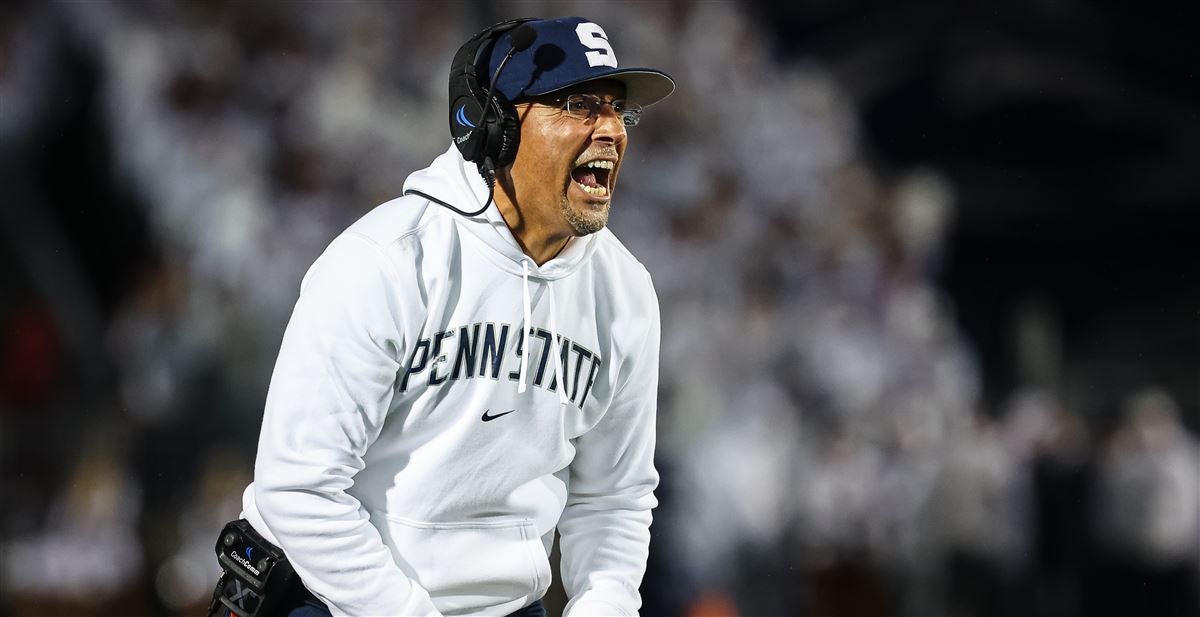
(483, 123)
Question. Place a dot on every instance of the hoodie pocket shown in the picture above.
(471, 566)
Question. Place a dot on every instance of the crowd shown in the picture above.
(823, 441)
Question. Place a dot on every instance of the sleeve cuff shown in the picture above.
(594, 607)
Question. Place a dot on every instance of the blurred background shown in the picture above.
(929, 283)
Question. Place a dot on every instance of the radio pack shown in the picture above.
(256, 575)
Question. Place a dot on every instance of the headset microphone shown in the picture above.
(523, 37)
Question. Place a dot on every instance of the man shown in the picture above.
(453, 386)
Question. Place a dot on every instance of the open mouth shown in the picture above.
(593, 177)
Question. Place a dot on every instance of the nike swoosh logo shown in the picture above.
(487, 418)
(461, 117)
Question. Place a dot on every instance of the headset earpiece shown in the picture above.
(505, 132)
(464, 125)
(490, 140)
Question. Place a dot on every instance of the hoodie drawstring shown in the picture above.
(558, 376)
(527, 309)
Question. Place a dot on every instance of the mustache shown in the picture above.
(602, 153)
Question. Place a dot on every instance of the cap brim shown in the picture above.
(643, 87)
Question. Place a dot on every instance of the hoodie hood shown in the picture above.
(453, 180)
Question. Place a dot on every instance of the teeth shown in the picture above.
(599, 191)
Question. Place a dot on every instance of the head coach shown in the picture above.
(475, 364)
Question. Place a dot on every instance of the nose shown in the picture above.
(609, 127)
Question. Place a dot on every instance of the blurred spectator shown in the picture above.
(87, 560)
(1148, 511)
(982, 515)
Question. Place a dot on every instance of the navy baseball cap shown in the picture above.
(569, 51)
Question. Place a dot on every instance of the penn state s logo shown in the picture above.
(593, 37)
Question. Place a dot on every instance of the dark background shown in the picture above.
(1072, 133)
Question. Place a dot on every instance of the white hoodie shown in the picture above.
(413, 461)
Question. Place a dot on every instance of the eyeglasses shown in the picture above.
(587, 107)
